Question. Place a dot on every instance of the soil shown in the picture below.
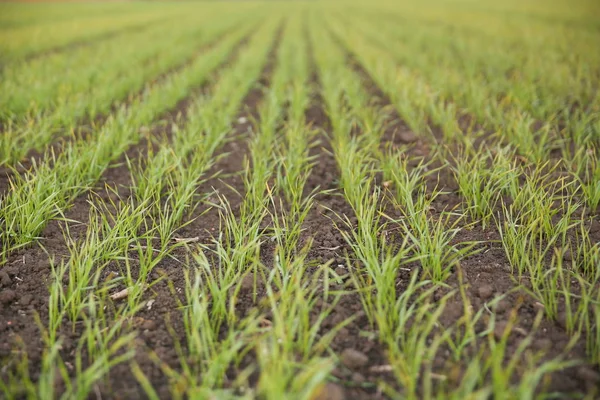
(363, 364)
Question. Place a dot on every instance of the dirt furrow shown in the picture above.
(323, 224)
(226, 179)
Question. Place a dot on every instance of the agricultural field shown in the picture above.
(317, 200)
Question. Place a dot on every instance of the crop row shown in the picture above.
(450, 163)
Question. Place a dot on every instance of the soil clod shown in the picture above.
(5, 279)
(354, 359)
(485, 292)
(330, 391)
(7, 296)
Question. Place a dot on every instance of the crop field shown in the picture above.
(317, 200)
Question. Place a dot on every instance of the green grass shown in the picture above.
(457, 255)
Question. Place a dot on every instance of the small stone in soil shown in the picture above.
(543, 344)
(248, 282)
(25, 300)
(568, 255)
(353, 358)
(499, 330)
(148, 333)
(342, 333)
(561, 319)
(339, 373)
(502, 306)
(149, 325)
(357, 378)
(330, 391)
(5, 279)
(406, 136)
(7, 296)
(337, 319)
(588, 374)
(485, 292)
(42, 265)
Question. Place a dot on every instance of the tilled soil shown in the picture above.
(362, 360)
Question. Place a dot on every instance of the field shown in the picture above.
(300, 200)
